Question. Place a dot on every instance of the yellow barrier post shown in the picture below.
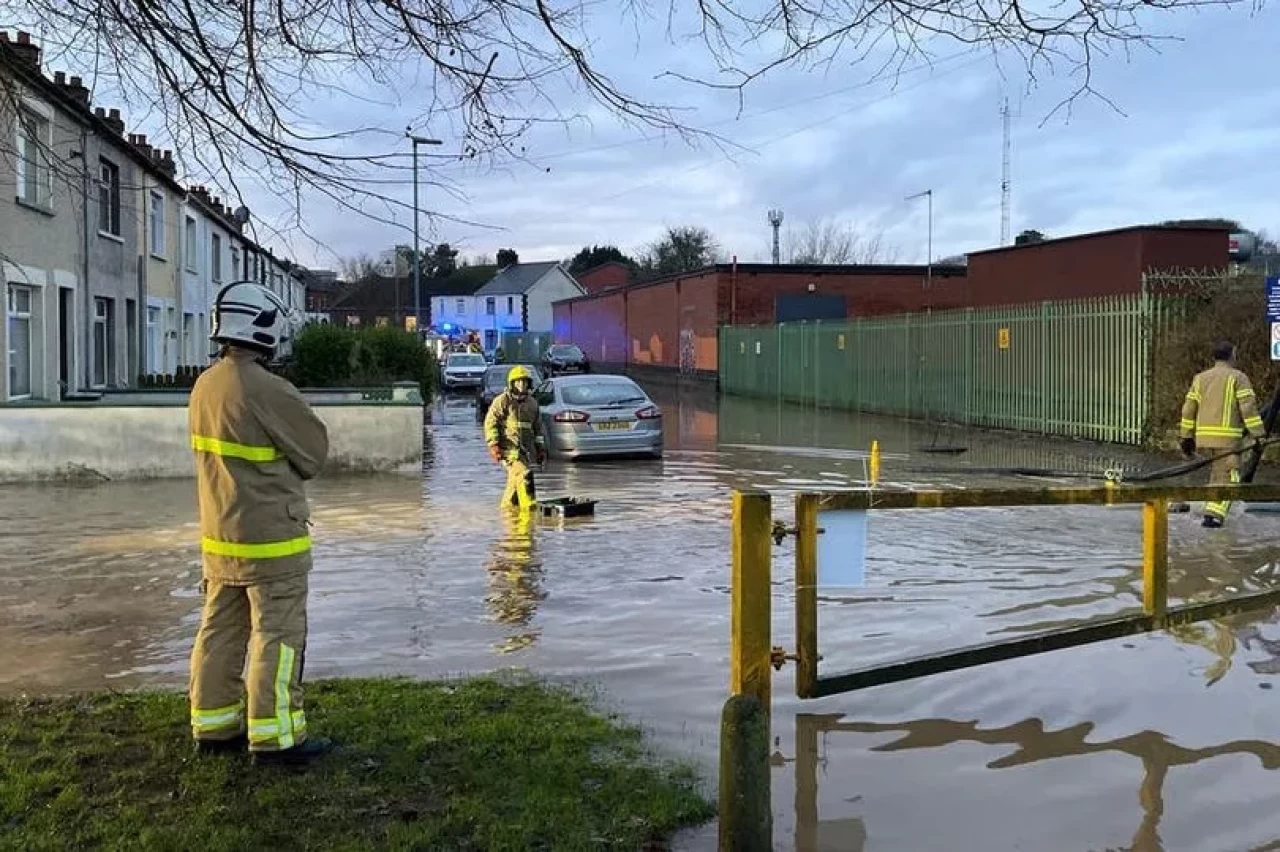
(750, 643)
(875, 463)
(1155, 558)
(806, 595)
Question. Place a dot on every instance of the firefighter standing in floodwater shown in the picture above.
(513, 432)
(1220, 408)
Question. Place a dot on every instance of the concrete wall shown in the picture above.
(147, 441)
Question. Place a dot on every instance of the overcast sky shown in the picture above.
(1198, 134)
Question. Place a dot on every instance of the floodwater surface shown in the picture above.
(1163, 741)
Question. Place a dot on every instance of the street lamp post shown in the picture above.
(417, 261)
(928, 269)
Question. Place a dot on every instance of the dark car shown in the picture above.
(564, 358)
(495, 382)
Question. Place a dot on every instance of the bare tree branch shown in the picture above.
(826, 242)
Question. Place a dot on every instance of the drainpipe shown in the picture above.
(144, 261)
(85, 297)
(180, 283)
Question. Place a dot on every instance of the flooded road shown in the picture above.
(1155, 742)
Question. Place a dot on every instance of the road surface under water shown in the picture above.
(1159, 741)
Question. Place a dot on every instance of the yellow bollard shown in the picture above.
(874, 467)
(750, 612)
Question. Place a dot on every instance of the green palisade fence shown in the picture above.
(1078, 368)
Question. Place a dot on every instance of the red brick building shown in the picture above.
(607, 276)
(1104, 263)
(672, 322)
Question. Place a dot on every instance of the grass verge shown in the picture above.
(474, 764)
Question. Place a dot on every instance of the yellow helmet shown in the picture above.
(519, 372)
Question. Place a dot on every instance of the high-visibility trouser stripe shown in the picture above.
(1189, 425)
(266, 730)
(1252, 423)
(1228, 401)
(207, 721)
(218, 447)
(1218, 431)
(1220, 509)
(284, 674)
(1194, 396)
(262, 550)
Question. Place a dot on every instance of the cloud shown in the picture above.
(1186, 142)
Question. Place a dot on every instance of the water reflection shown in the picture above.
(1032, 743)
(515, 581)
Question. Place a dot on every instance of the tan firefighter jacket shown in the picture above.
(1220, 408)
(256, 439)
(515, 427)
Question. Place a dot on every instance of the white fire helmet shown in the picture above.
(249, 314)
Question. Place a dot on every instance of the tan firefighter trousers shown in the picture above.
(268, 622)
(1223, 471)
(520, 491)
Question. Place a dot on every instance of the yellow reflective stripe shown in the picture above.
(1187, 424)
(264, 730)
(205, 444)
(264, 550)
(1218, 431)
(1244, 393)
(284, 673)
(212, 720)
(1228, 396)
(1252, 423)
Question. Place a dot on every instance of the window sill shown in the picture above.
(115, 238)
(159, 257)
(31, 205)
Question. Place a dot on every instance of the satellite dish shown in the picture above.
(241, 215)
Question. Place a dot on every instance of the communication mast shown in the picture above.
(1006, 180)
(775, 222)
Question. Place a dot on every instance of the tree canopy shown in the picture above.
(592, 256)
(681, 249)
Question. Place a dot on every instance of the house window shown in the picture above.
(157, 224)
(216, 251)
(490, 306)
(19, 341)
(511, 305)
(461, 306)
(108, 198)
(235, 262)
(103, 342)
(193, 247)
(35, 177)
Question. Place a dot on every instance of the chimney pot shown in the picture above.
(24, 38)
(76, 81)
(4, 35)
(60, 77)
(113, 114)
(100, 112)
(24, 51)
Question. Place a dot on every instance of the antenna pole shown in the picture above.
(775, 222)
(1006, 182)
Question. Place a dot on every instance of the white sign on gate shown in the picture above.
(1275, 341)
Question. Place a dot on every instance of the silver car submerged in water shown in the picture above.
(598, 415)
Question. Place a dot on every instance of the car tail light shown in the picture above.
(571, 417)
(649, 412)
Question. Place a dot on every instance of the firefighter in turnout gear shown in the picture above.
(513, 432)
(256, 441)
(1220, 409)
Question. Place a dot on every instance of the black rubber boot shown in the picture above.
(1212, 522)
(1179, 508)
(298, 757)
(231, 746)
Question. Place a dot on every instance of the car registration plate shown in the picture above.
(613, 425)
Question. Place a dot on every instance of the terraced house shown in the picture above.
(108, 266)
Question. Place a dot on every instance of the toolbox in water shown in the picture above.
(567, 507)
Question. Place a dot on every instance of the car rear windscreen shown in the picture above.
(601, 393)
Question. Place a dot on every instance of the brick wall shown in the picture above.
(604, 277)
(865, 294)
